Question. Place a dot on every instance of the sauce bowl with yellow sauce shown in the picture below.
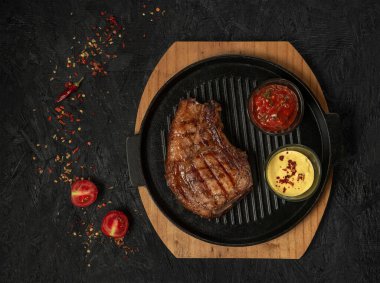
(293, 172)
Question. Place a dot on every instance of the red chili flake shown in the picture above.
(58, 109)
(83, 56)
(61, 122)
(75, 150)
(281, 157)
(109, 37)
(103, 13)
(286, 180)
(291, 170)
(301, 177)
(75, 74)
(82, 61)
(292, 167)
(97, 68)
(123, 45)
(49, 118)
(50, 170)
(113, 22)
(69, 89)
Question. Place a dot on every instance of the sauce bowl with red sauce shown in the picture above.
(276, 107)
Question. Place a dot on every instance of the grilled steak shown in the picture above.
(205, 172)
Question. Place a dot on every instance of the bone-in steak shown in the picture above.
(205, 172)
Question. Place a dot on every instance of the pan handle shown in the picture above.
(336, 136)
(134, 161)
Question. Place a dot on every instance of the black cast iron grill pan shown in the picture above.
(261, 215)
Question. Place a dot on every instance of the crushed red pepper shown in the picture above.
(301, 177)
(75, 150)
(291, 170)
(95, 56)
(113, 22)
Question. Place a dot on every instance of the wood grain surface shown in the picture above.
(291, 245)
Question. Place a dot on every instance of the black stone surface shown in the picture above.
(340, 40)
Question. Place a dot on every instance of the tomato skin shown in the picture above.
(83, 193)
(115, 224)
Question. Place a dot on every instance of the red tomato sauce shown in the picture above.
(274, 107)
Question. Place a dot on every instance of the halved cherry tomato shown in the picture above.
(115, 224)
(83, 193)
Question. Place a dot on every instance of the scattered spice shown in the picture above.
(301, 177)
(97, 68)
(291, 171)
(119, 242)
(94, 53)
(113, 22)
(153, 12)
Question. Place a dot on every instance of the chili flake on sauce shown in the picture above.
(290, 174)
(274, 107)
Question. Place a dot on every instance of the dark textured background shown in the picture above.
(340, 40)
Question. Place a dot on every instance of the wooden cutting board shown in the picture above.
(291, 245)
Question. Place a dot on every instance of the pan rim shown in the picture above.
(291, 222)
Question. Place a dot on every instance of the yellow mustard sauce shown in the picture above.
(290, 173)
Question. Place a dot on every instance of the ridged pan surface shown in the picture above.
(230, 80)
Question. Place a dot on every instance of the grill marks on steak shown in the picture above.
(205, 172)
